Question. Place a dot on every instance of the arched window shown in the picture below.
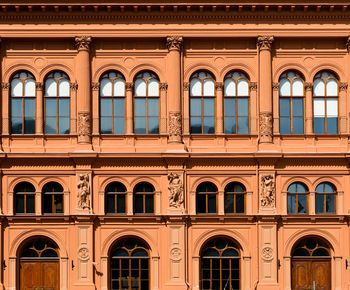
(202, 103)
(291, 109)
(53, 198)
(220, 265)
(325, 198)
(129, 265)
(144, 198)
(297, 198)
(57, 92)
(24, 198)
(146, 103)
(207, 194)
(325, 94)
(23, 103)
(236, 93)
(234, 198)
(311, 247)
(112, 103)
(115, 194)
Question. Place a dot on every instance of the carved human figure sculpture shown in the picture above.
(175, 190)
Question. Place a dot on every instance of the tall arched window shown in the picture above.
(236, 93)
(57, 92)
(207, 194)
(144, 198)
(202, 103)
(325, 92)
(24, 198)
(112, 103)
(220, 265)
(325, 198)
(115, 194)
(23, 103)
(53, 198)
(129, 265)
(234, 198)
(291, 103)
(146, 103)
(297, 198)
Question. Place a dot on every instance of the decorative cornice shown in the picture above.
(82, 42)
(265, 42)
(163, 86)
(343, 86)
(174, 42)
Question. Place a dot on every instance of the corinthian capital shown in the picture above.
(174, 42)
(265, 42)
(82, 42)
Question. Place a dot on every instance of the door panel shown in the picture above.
(321, 274)
(43, 275)
(300, 275)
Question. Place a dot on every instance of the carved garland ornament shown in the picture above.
(265, 42)
(83, 191)
(267, 191)
(267, 253)
(265, 126)
(84, 124)
(175, 126)
(174, 42)
(82, 42)
(175, 190)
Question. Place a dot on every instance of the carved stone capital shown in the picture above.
(174, 42)
(219, 86)
(39, 86)
(129, 86)
(265, 42)
(265, 126)
(343, 87)
(5, 86)
(267, 191)
(163, 86)
(84, 127)
(95, 86)
(175, 124)
(186, 86)
(74, 86)
(253, 86)
(308, 86)
(82, 42)
(275, 86)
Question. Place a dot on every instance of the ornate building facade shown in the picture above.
(165, 145)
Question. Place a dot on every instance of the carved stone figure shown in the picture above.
(84, 126)
(83, 191)
(175, 124)
(175, 190)
(267, 190)
(265, 126)
(174, 42)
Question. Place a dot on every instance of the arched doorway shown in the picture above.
(129, 265)
(311, 265)
(39, 265)
(220, 265)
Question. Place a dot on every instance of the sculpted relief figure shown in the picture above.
(267, 195)
(83, 191)
(175, 190)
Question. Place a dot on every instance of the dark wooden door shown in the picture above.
(39, 275)
(310, 273)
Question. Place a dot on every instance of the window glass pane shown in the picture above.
(319, 107)
(242, 107)
(63, 125)
(301, 203)
(153, 107)
(284, 106)
(19, 203)
(106, 106)
(63, 107)
(16, 107)
(16, 125)
(229, 87)
(30, 203)
(63, 88)
(106, 87)
(58, 200)
(211, 203)
(196, 87)
(243, 125)
(229, 203)
(149, 203)
(298, 88)
(50, 107)
(230, 106)
(50, 125)
(119, 125)
(285, 87)
(230, 125)
(29, 107)
(242, 87)
(153, 125)
(47, 203)
(291, 203)
(319, 126)
(140, 125)
(196, 107)
(119, 107)
(208, 87)
(239, 203)
(332, 88)
(319, 203)
(298, 125)
(332, 125)
(153, 87)
(201, 203)
(208, 125)
(106, 125)
(330, 205)
(29, 88)
(140, 87)
(16, 88)
(138, 205)
(293, 187)
(51, 88)
(119, 87)
(319, 88)
(29, 116)
(298, 106)
(120, 203)
(332, 107)
(140, 106)
(208, 107)
(110, 203)
(285, 125)
(196, 125)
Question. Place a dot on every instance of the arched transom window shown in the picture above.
(23, 103)
(202, 103)
(57, 93)
(325, 198)
(297, 198)
(234, 198)
(146, 103)
(325, 95)
(291, 109)
(236, 93)
(112, 103)
(144, 198)
(207, 194)
(53, 198)
(115, 194)
(24, 198)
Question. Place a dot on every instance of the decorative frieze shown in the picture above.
(267, 191)
(265, 126)
(265, 42)
(84, 126)
(174, 42)
(175, 190)
(82, 42)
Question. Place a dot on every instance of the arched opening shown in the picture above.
(39, 266)
(220, 265)
(129, 265)
(311, 264)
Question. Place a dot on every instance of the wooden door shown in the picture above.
(311, 274)
(39, 275)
